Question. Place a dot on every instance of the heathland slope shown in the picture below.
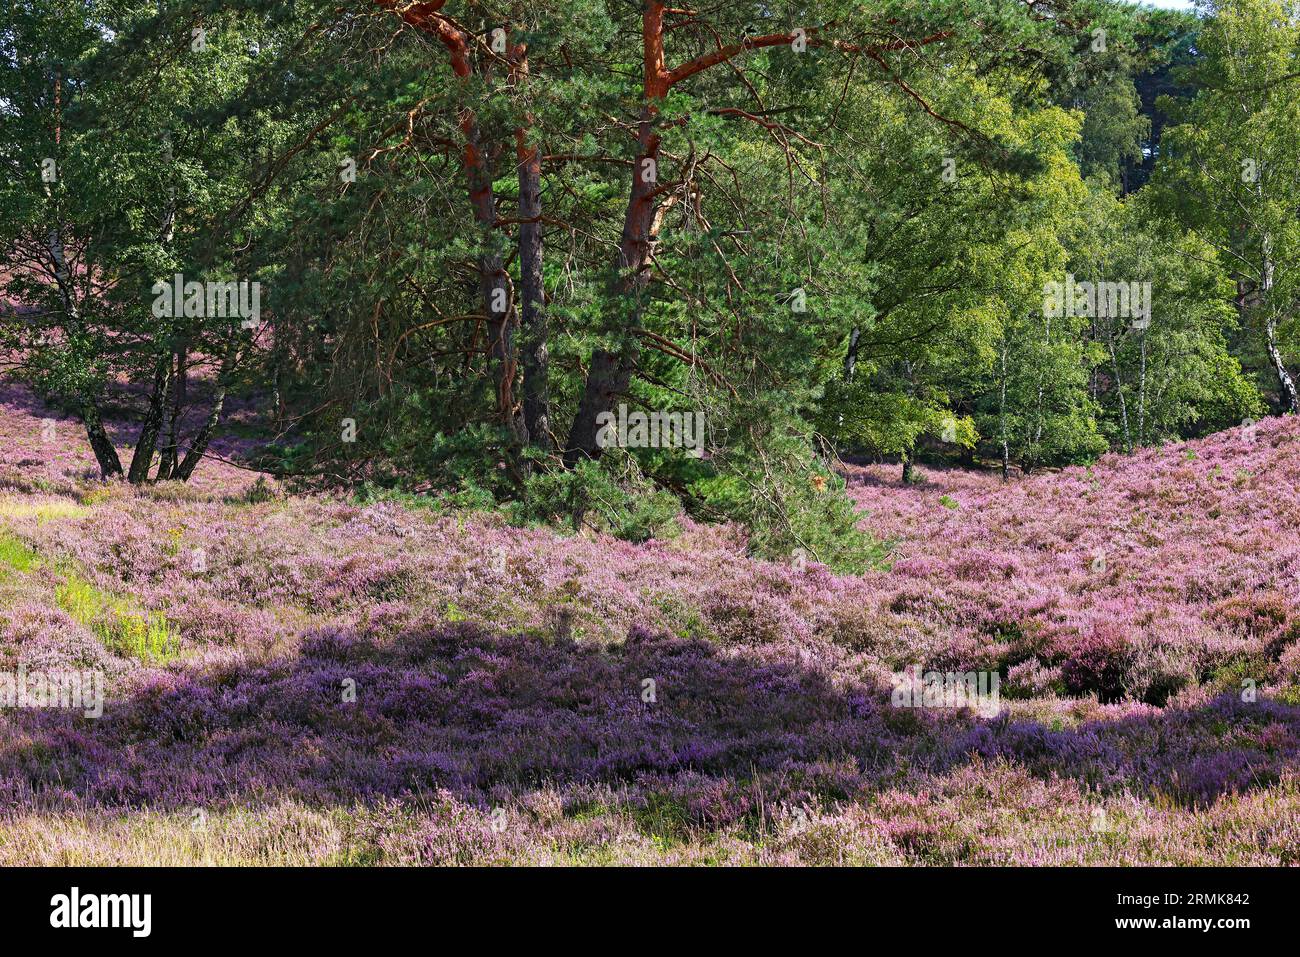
(300, 679)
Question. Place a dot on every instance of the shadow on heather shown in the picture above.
(473, 712)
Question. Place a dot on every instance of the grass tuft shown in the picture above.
(16, 554)
(123, 627)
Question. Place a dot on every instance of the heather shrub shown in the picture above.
(545, 805)
(1097, 663)
(172, 492)
(392, 514)
(1263, 615)
(754, 618)
(814, 838)
(439, 829)
(207, 620)
(1157, 671)
(1018, 643)
(1204, 778)
(1032, 679)
(27, 485)
(1229, 677)
(1288, 664)
(456, 834)
(49, 638)
(1286, 638)
(683, 616)
(101, 492)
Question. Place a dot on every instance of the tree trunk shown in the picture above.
(851, 356)
(610, 371)
(534, 332)
(1002, 416)
(1119, 391)
(105, 454)
(494, 284)
(493, 281)
(1031, 458)
(147, 442)
(607, 378)
(170, 453)
(174, 375)
(277, 394)
(1285, 383)
(1142, 392)
(1289, 398)
(611, 368)
(199, 446)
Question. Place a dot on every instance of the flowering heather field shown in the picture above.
(500, 674)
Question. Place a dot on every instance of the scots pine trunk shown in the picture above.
(610, 371)
(534, 331)
(494, 284)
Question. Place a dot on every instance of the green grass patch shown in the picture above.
(15, 554)
(664, 820)
(120, 623)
